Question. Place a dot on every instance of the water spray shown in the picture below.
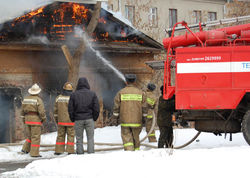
(99, 55)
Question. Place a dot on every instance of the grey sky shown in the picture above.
(10, 9)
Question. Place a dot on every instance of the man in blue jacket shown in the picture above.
(84, 110)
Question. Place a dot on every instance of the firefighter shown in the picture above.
(130, 107)
(64, 125)
(33, 115)
(164, 120)
(151, 101)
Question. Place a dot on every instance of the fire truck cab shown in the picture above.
(212, 78)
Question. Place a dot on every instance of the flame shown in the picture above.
(79, 11)
(29, 15)
(63, 20)
(105, 35)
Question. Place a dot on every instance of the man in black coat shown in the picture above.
(84, 110)
(164, 120)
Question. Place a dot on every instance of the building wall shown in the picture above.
(20, 68)
(184, 8)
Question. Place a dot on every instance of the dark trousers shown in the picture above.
(166, 137)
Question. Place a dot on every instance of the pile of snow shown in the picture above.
(209, 156)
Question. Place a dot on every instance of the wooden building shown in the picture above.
(30, 52)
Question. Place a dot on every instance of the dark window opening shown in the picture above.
(9, 99)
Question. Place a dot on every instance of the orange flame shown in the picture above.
(29, 15)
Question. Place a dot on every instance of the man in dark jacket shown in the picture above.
(164, 120)
(84, 110)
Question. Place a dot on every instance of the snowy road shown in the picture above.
(209, 156)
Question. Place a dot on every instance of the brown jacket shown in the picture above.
(61, 114)
(33, 112)
(151, 101)
(130, 105)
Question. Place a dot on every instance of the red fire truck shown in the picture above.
(212, 78)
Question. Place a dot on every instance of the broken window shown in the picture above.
(172, 17)
(129, 13)
(197, 16)
(153, 17)
(212, 16)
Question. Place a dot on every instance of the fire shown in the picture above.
(29, 15)
(56, 22)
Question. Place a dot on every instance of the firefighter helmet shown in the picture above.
(130, 78)
(34, 90)
(68, 86)
(151, 86)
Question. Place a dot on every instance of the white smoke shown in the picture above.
(79, 32)
(38, 39)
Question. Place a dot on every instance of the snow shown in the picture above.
(209, 156)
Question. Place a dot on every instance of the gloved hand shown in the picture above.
(115, 119)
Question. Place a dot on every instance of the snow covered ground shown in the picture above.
(209, 156)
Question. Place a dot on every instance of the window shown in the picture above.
(129, 13)
(153, 17)
(172, 17)
(110, 7)
(212, 16)
(197, 16)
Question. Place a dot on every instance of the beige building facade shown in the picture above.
(154, 16)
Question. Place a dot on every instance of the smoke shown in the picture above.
(14, 8)
(106, 63)
(105, 78)
(38, 40)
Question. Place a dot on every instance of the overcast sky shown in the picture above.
(10, 9)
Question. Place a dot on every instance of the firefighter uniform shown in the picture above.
(151, 101)
(33, 115)
(64, 124)
(130, 106)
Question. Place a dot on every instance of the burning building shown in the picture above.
(31, 52)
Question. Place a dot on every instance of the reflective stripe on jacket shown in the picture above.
(130, 105)
(151, 101)
(61, 114)
(32, 110)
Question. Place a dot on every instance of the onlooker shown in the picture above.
(164, 120)
(130, 106)
(151, 100)
(84, 110)
(64, 125)
(33, 115)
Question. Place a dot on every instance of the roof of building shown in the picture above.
(53, 25)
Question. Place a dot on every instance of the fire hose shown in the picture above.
(6, 146)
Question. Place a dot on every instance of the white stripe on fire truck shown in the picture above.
(213, 67)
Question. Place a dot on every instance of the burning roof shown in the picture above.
(55, 24)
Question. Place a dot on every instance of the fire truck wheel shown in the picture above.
(246, 126)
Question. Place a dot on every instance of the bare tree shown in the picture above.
(74, 61)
